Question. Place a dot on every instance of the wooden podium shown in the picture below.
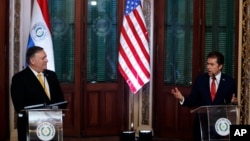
(44, 123)
(215, 121)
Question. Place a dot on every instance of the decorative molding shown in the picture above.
(245, 77)
(145, 106)
(17, 35)
(145, 98)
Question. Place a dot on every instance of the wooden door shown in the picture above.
(103, 98)
(185, 32)
(86, 40)
(174, 67)
(4, 97)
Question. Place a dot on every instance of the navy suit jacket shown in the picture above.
(200, 96)
(26, 90)
(200, 93)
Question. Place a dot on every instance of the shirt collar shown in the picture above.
(35, 72)
(218, 77)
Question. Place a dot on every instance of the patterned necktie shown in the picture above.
(39, 76)
(213, 89)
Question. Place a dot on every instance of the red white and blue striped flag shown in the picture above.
(40, 33)
(134, 57)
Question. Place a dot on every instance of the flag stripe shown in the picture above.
(129, 59)
(134, 58)
(132, 67)
(129, 76)
(45, 12)
(131, 86)
(126, 74)
(138, 25)
(144, 37)
(143, 54)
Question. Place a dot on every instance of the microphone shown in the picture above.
(45, 73)
(213, 76)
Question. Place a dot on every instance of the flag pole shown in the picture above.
(132, 114)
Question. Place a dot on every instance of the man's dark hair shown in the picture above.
(218, 55)
(31, 52)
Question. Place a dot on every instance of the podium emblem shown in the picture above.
(222, 126)
(45, 131)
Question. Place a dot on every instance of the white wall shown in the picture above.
(25, 8)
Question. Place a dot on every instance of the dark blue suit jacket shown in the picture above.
(200, 93)
(200, 96)
(26, 90)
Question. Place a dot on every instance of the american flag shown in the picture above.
(134, 58)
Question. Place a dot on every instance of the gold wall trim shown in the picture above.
(145, 99)
(17, 35)
(245, 59)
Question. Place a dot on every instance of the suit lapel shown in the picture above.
(221, 86)
(34, 81)
(50, 82)
(32, 78)
(209, 90)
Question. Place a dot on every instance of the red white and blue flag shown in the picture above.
(134, 56)
(40, 32)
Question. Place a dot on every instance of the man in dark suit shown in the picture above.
(200, 94)
(26, 90)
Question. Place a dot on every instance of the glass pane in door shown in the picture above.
(102, 41)
(62, 24)
(178, 42)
